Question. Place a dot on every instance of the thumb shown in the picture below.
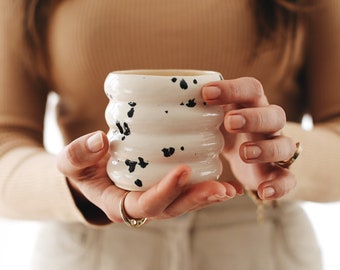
(82, 153)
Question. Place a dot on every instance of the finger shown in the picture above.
(245, 90)
(153, 201)
(237, 185)
(137, 204)
(231, 184)
(282, 183)
(82, 153)
(268, 119)
(201, 195)
(273, 150)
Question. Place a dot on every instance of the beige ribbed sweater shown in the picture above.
(88, 39)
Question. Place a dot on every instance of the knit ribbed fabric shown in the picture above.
(88, 39)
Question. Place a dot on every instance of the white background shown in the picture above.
(17, 238)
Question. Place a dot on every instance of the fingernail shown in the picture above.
(95, 143)
(252, 151)
(236, 122)
(217, 197)
(268, 192)
(231, 192)
(211, 92)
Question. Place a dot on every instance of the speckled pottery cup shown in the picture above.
(157, 120)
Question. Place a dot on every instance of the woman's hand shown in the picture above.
(253, 142)
(83, 162)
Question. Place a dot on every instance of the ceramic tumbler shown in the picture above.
(157, 119)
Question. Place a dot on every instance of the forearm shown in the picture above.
(32, 188)
(317, 169)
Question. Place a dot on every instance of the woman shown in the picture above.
(262, 48)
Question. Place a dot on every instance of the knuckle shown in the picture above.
(233, 89)
(280, 116)
(270, 119)
(292, 146)
(148, 210)
(258, 121)
(87, 173)
(287, 147)
(285, 185)
(257, 87)
(275, 151)
(73, 155)
(280, 112)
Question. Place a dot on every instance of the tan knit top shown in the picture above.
(88, 39)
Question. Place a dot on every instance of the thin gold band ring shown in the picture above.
(286, 163)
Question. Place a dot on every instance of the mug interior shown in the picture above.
(167, 72)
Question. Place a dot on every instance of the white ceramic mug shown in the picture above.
(157, 120)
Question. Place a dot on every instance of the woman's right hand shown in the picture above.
(83, 162)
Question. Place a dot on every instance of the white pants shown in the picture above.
(225, 236)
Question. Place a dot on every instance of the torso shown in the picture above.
(88, 39)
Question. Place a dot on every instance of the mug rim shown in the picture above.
(166, 72)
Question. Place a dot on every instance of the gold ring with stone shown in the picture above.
(131, 222)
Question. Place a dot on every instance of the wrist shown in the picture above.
(93, 214)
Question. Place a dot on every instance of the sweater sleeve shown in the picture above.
(30, 185)
(318, 167)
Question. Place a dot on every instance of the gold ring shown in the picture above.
(286, 163)
(131, 222)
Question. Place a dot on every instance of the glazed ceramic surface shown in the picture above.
(157, 120)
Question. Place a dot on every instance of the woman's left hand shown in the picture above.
(253, 138)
